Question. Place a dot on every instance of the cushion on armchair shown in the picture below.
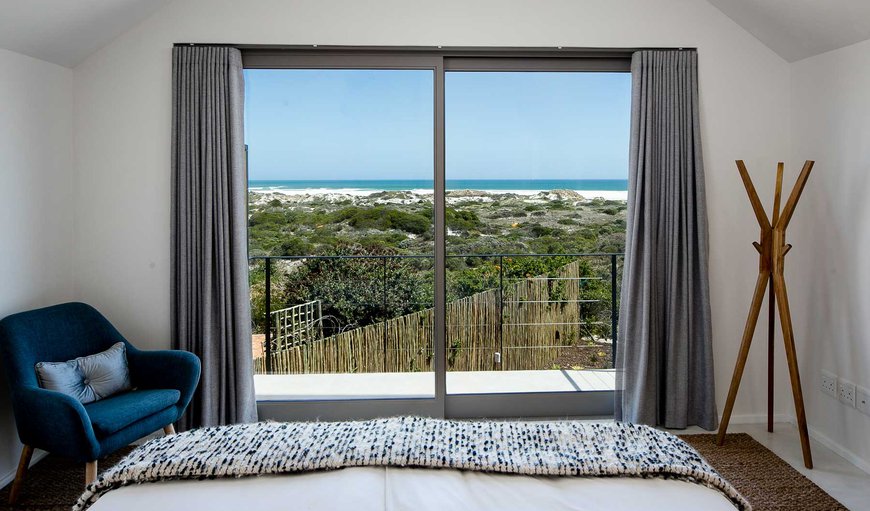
(117, 412)
(89, 378)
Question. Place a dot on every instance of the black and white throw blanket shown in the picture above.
(558, 448)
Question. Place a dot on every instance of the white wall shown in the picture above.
(123, 107)
(754, 106)
(36, 207)
(828, 267)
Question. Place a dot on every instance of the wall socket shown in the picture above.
(862, 400)
(829, 384)
(846, 392)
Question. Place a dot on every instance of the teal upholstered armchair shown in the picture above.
(163, 384)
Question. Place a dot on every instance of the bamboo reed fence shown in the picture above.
(527, 324)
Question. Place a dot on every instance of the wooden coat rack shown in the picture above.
(771, 250)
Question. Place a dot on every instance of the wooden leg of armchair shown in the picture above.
(169, 430)
(90, 472)
(23, 465)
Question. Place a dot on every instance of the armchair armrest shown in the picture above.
(55, 422)
(165, 369)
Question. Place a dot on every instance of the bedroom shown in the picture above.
(88, 199)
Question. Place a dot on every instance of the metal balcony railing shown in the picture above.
(516, 305)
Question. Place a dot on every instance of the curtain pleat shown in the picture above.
(664, 352)
(210, 302)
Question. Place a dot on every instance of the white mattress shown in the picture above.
(387, 488)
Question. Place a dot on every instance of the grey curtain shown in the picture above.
(210, 304)
(664, 354)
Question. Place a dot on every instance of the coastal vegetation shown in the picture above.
(369, 258)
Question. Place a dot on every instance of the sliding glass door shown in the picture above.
(341, 232)
(435, 232)
(536, 178)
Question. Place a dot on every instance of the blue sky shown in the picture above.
(378, 124)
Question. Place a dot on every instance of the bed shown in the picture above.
(387, 488)
(414, 463)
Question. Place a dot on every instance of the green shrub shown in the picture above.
(383, 218)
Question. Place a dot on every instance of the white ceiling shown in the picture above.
(797, 29)
(68, 31)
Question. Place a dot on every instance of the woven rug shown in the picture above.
(54, 484)
(767, 481)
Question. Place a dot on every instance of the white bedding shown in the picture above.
(417, 489)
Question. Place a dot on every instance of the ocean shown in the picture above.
(359, 186)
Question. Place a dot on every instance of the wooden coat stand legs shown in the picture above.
(772, 250)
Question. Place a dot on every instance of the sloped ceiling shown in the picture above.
(797, 29)
(68, 31)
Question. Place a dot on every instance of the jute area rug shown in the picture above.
(767, 482)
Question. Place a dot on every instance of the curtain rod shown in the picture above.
(440, 49)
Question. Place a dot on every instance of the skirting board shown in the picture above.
(844, 453)
(8, 477)
(760, 418)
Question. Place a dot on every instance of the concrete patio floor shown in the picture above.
(315, 387)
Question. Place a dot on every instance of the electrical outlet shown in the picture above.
(862, 400)
(829, 384)
(847, 392)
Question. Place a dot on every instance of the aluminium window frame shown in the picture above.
(440, 61)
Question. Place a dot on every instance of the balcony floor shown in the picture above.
(316, 387)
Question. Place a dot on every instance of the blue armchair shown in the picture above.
(163, 383)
